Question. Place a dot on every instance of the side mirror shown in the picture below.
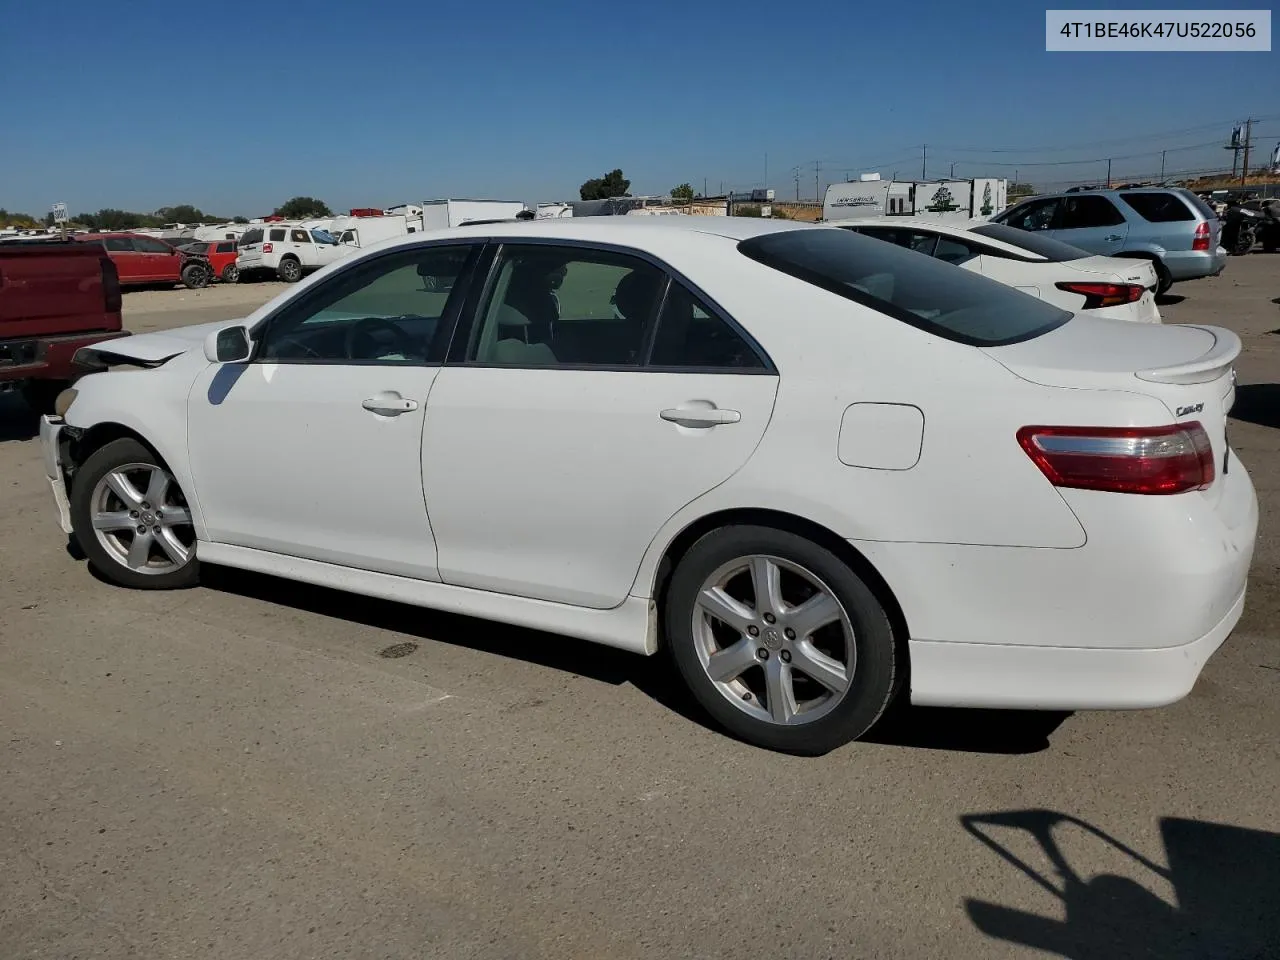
(230, 345)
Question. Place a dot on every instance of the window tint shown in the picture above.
(227, 247)
(299, 236)
(1033, 215)
(1050, 249)
(567, 306)
(198, 247)
(1079, 213)
(151, 245)
(954, 304)
(118, 244)
(954, 251)
(1158, 207)
(386, 311)
(276, 234)
(691, 335)
(251, 236)
(903, 237)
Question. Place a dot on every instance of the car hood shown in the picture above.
(159, 346)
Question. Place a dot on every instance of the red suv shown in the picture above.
(221, 255)
(139, 259)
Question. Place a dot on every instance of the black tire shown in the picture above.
(40, 394)
(290, 270)
(876, 676)
(98, 464)
(230, 273)
(195, 276)
(1163, 280)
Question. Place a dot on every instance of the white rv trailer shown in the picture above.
(870, 196)
(437, 214)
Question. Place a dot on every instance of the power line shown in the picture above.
(1096, 143)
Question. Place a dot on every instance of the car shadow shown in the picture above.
(966, 731)
(1257, 403)
(1169, 299)
(17, 420)
(1225, 884)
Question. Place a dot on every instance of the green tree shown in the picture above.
(239, 219)
(182, 213)
(612, 184)
(682, 192)
(303, 208)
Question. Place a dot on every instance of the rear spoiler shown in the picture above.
(1206, 368)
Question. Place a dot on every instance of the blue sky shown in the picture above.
(385, 101)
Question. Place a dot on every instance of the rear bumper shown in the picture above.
(46, 358)
(1194, 264)
(50, 446)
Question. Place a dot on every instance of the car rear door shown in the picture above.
(1091, 222)
(555, 449)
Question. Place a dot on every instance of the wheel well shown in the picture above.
(97, 437)
(791, 524)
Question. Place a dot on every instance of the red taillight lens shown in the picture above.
(111, 286)
(1105, 294)
(266, 248)
(1201, 239)
(1152, 460)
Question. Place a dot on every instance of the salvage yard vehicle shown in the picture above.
(143, 260)
(1169, 226)
(221, 255)
(54, 299)
(287, 250)
(817, 468)
(1057, 272)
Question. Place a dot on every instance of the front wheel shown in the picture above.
(195, 276)
(132, 520)
(779, 640)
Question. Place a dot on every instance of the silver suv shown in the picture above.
(1170, 226)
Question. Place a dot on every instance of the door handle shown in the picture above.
(700, 416)
(389, 404)
(1115, 236)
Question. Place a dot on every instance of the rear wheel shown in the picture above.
(290, 270)
(132, 520)
(779, 640)
(230, 273)
(1163, 280)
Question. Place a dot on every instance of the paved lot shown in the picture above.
(245, 771)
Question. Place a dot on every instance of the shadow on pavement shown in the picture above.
(1225, 881)
(1169, 299)
(970, 731)
(17, 421)
(1257, 403)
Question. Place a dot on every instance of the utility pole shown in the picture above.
(1248, 135)
(1162, 153)
(1108, 173)
(924, 161)
(766, 171)
(704, 186)
(817, 167)
(953, 169)
(796, 171)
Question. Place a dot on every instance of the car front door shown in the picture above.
(131, 263)
(1092, 223)
(588, 398)
(313, 448)
(163, 261)
(325, 251)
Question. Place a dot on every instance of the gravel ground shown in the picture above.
(257, 769)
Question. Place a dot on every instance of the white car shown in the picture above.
(815, 467)
(287, 250)
(1054, 271)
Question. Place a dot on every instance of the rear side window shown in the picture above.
(228, 247)
(1158, 207)
(251, 236)
(275, 235)
(691, 335)
(920, 291)
(1050, 249)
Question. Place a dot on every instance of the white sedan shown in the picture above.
(816, 468)
(1057, 272)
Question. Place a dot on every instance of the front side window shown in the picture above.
(386, 311)
(151, 245)
(119, 244)
(566, 306)
(1087, 210)
(920, 291)
(323, 236)
(1034, 215)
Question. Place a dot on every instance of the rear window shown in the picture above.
(1053, 250)
(916, 289)
(251, 236)
(1159, 207)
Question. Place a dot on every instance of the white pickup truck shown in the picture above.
(287, 250)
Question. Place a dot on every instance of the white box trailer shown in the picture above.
(936, 199)
(437, 214)
(366, 231)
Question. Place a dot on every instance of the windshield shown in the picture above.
(323, 236)
(926, 293)
(1042, 246)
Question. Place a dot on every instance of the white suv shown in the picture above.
(287, 250)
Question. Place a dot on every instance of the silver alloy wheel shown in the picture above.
(231, 273)
(290, 269)
(142, 520)
(774, 640)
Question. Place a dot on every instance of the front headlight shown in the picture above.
(62, 403)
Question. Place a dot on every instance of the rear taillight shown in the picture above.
(110, 285)
(266, 248)
(1201, 240)
(1153, 460)
(1104, 294)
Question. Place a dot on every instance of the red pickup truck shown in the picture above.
(54, 299)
